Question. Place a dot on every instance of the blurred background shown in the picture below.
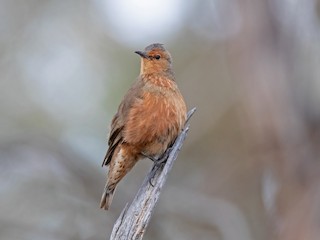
(249, 169)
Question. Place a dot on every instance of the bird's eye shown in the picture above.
(157, 57)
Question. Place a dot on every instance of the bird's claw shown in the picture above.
(158, 163)
(154, 170)
(165, 155)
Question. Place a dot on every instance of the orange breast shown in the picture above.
(155, 120)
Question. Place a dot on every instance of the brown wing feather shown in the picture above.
(119, 120)
(114, 141)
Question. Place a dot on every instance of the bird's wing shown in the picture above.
(114, 139)
(120, 119)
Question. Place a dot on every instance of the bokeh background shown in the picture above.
(249, 169)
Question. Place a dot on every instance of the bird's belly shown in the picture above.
(160, 132)
(154, 125)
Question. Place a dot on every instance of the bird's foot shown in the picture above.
(153, 159)
(158, 163)
(163, 158)
(154, 170)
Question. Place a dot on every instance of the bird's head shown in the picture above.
(155, 59)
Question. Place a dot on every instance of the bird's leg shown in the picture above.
(153, 172)
(153, 159)
(158, 163)
(154, 168)
(163, 158)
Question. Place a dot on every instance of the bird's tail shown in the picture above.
(106, 198)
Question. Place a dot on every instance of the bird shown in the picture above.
(148, 120)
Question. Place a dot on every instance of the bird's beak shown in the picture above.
(142, 54)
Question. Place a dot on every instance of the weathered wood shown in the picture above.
(134, 219)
